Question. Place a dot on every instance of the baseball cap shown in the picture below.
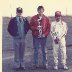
(19, 10)
(58, 13)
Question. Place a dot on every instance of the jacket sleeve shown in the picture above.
(52, 31)
(65, 28)
(32, 27)
(48, 27)
(26, 26)
(10, 26)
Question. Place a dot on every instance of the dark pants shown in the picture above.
(36, 42)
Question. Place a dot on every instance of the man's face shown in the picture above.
(19, 14)
(58, 18)
(40, 11)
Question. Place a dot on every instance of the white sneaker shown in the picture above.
(65, 67)
(46, 66)
(56, 67)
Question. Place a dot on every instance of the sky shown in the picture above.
(30, 7)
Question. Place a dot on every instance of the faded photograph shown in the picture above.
(37, 36)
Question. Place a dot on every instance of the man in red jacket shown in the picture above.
(40, 27)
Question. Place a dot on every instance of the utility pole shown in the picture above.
(11, 9)
(66, 11)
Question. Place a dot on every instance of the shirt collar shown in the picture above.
(17, 17)
(39, 16)
(58, 22)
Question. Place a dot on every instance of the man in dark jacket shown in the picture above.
(18, 28)
(40, 27)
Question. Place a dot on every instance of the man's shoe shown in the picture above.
(17, 65)
(17, 68)
(22, 68)
(56, 67)
(45, 66)
(35, 66)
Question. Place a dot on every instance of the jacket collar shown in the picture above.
(60, 22)
(42, 16)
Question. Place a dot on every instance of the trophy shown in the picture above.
(40, 27)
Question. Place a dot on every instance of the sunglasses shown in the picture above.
(57, 16)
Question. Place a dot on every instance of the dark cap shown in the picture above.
(19, 10)
(40, 7)
(58, 13)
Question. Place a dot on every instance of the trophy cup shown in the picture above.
(40, 27)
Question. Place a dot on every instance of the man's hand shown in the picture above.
(56, 41)
(43, 35)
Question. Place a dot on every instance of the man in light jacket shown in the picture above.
(58, 33)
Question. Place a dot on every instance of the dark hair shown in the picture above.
(40, 7)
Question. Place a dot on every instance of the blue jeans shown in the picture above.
(36, 42)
